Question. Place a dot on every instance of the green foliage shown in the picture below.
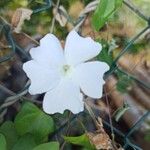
(124, 83)
(82, 140)
(137, 47)
(30, 128)
(48, 146)
(2, 142)
(103, 11)
(32, 120)
(9, 131)
(26, 142)
(105, 55)
(120, 111)
(147, 136)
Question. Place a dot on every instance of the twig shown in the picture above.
(53, 20)
(110, 121)
(6, 90)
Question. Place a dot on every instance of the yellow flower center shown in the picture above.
(67, 69)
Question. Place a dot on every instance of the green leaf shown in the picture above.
(2, 142)
(105, 55)
(147, 136)
(26, 142)
(136, 47)
(48, 146)
(103, 11)
(124, 83)
(121, 111)
(32, 120)
(82, 140)
(9, 131)
(118, 3)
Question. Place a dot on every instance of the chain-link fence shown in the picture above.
(13, 45)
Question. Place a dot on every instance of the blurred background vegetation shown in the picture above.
(121, 27)
(40, 22)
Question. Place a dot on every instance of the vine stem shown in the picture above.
(53, 20)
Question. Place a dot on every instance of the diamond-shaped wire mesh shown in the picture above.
(7, 30)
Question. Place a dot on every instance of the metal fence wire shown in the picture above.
(7, 30)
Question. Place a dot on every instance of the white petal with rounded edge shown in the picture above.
(90, 77)
(66, 96)
(79, 49)
(42, 79)
(49, 52)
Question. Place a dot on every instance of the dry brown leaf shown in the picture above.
(75, 9)
(20, 15)
(100, 138)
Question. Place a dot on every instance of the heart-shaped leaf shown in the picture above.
(48, 146)
(26, 142)
(32, 120)
(2, 142)
(9, 131)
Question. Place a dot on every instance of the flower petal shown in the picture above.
(79, 49)
(66, 96)
(42, 79)
(90, 77)
(49, 52)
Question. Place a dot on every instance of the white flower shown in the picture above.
(61, 74)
